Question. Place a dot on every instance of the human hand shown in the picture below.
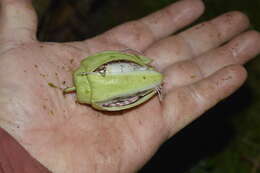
(67, 137)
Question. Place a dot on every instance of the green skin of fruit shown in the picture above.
(94, 88)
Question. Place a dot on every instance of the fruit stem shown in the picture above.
(69, 90)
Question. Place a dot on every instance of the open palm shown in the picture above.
(67, 137)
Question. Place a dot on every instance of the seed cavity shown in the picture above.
(117, 67)
(127, 100)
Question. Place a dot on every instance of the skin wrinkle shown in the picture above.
(27, 36)
(29, 31)
(138, 29)
(137, 36)
(10, 124)
(83, 50)
(14, 105)
(26, 28)
(155, 20)
(14, 46)
(199, 71)
(178, 97)
(88, 43)
(209, 36)
(96, 44)
(187, 44)
(171, 55)
(110, 38)
(170, 82)
(197, 97)
(210, 57)
(179, 18)
(234, 54)
(239, 48)
(66, 55)
(5, 50)
(148, 30)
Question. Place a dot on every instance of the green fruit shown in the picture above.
(113, 81)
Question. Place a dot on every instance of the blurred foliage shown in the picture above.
(224, 140)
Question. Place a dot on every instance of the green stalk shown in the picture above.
(69, 90)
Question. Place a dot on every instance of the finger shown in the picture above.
(238, 51)
(141, 33)
(198, 39)
(185, 104)
(18, 21)
(172, 18)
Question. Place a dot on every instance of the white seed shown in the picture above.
(124, 67)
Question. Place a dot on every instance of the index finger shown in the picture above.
(141, 33)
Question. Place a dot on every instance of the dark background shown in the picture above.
(227, 138)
